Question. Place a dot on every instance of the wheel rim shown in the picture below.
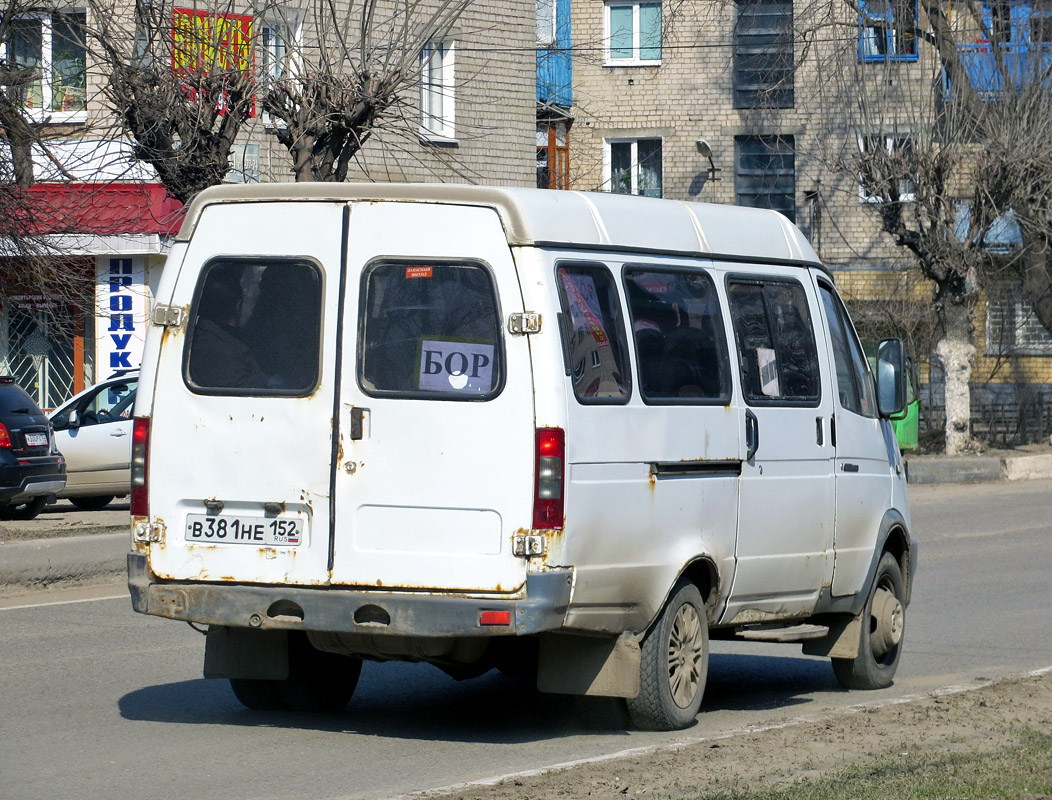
(685, 653)
(887, 623)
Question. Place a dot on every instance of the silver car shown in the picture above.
(93, 431)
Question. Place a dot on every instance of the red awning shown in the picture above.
(106, 209)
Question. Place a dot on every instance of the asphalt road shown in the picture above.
(99, 702)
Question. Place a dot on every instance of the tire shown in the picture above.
(259, 695)
(93, 503)
(674, 663)
(317, 681)
(25, 510)
(881, 644)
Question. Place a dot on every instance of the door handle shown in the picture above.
(119, 432)
(358, 416)
(752, 435)
(819, 432)
(850, 467)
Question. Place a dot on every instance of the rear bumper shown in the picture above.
(39, 476)
(377, 613)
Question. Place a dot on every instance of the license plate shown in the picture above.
(231, 529)
(36, 439)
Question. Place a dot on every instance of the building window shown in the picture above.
(1012, 327)
(244, 164)
(763, 54)
(633, 166)
(553, 155)
(765, 173)
(273, 54)
(546, 15)
(632, 34)
(887, 30)
(436, 91)
(53, 46)
(1041, 22)
(886, 169)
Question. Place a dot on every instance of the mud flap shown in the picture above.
(245, 653)
(842, 641)
(589, 665)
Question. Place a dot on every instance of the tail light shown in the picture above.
(140, 506)
(548, 481)
(5, 436)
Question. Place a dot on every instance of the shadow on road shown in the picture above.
(418, 702)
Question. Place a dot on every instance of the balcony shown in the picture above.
(1023, 66)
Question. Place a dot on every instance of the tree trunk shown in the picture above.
(956, 353)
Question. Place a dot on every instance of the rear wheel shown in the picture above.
(25, 510)
(94, 503)
(317, 681)
(674, 663)
(259, 695)
(884, 620)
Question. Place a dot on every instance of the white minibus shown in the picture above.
(570, 434)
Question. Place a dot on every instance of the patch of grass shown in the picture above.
(1018, 767)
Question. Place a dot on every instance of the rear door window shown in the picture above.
(679, 336)
(776, 342)
(593, 333)
(255, 328)
(430, 330)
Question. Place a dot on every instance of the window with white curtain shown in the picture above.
(633, 166)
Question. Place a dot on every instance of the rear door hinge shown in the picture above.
(524, 322)
(149, 531)
(168, 316)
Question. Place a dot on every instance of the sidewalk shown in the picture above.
(67, 545)
(1029, 462)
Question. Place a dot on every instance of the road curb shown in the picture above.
(977, 469)
(41, 562)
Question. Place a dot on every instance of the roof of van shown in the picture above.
(590, 220)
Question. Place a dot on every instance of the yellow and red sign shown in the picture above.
(204, 42)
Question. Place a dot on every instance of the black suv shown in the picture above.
(31, 469)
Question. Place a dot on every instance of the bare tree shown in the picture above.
(326, 73)
(355, 70)
(181, 82)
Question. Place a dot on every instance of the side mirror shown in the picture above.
(73, 421)
(891, 377)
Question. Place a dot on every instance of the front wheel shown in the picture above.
(674, 663)
(25, 510)
(883, 626)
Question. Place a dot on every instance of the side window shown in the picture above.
(678, 332)
(110, 403)
(430, 330)
(594, 334)
(776, 342)
(255, 329)
(853, 378)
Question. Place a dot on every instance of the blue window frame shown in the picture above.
(887, 30)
